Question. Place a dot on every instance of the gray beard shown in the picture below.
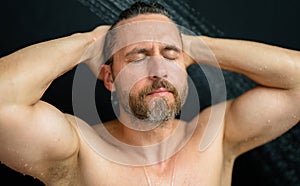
(159, 111)
(156, 111)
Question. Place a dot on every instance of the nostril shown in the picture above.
(153, 77)
(158, 76)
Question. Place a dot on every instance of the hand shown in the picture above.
(94, 55)
(187, 44)
(196, 50)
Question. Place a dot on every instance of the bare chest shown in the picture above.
(196, 168)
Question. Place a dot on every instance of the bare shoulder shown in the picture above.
(213, 115)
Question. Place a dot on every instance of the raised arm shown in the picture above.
(32, 132)
(268, 110)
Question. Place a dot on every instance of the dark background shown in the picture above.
(270, 21)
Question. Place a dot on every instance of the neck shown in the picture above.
(147, 137)
(138, 132)
(149, 147)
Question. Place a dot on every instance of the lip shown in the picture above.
(160, 92)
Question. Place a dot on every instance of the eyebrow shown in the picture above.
(138, 50)
(171, 47)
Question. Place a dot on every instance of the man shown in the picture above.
(147, 50)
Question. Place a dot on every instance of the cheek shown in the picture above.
(178, 77)
(129, 85)
(138, 87)
(129, 77)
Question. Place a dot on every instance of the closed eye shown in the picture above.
(171, 53)
(137, 58)
(136, 55)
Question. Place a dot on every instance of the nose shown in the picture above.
(157, 68)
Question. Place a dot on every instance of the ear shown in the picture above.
(106, 76)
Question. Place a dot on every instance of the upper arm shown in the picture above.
(32, 135)
(260, 115)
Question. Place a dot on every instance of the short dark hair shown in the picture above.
(139, 8)
(134, 10)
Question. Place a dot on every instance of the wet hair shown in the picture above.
(138, 8)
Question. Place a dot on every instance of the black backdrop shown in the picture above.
(270, 21)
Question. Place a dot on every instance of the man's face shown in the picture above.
(148, 70)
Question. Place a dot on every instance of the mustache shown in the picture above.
(156, 85)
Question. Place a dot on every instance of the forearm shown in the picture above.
(26, 74)
(267, 65)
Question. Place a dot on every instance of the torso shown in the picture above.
(189, 166)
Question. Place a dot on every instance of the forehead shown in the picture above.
(149, 28)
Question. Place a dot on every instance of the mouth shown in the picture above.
(160, 92)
